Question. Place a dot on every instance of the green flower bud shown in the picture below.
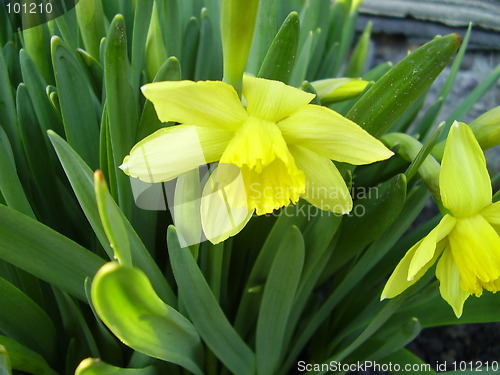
(334, 90)
(486, 128)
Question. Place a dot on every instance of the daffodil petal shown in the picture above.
(223, 205)
(427, 249)
(169, 152)
(492, 213)
(204, 103)
(449, 283)
(475, 246)
(325, 187)
(272, 100)
(464, 180)
(332, 135)
(398, 282)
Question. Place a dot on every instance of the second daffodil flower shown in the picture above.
(281, 145)
(467, 239)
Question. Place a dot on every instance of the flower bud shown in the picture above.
(334, 90)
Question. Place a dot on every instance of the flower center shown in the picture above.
(272, 180)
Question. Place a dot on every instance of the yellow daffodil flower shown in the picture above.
(467, 239)
(281, 144)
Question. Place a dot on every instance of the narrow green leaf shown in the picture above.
(8, 107)
(142, 20)
(277, 301)
(127, 303)
(121, 107)
(78, 112)
(149, 123)
(358, 59)
(190, 48)
(424, 152)
(409, 149)
(92, 366)
(90, 16)
(156, 53)
(300, 68)
(112, 221)
(250, 301)
(393, 94)
(280, 58)
(265, 30)
(94, 69)
(413, 206)
(10, 186)
(374, 211)
(81, 179)
(204, 56)
(170, 13)
(34, 328)
(473, 97)
(37, 42)
(205, 312)
(35, 84)
(50, 256)
(25, 359)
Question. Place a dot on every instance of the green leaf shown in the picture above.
(265, 30)
(41, 251)
(37, 41)
(394, 93)
(81, 179)
(142, 20)
(92, 366)
(204, 56)
(170, 14)
(34, 328)
(112, 221)
(156, 53)
(127, 303)
(277, 301)
(406, 358)
(78, 112)
(8, 107)
(190, 48)
(24, 359)
(249, 306)
(35, 84)
(280, 58)
(359, 58)
(205, 312)
(10, 186)
(121, 107)
(300, 68)
(90, 17)
(149, 123)
(375, 210)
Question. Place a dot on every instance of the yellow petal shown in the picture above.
(272, 100)
(271, 177)
(169, 152)
(398, 282)
(475, 246)
(332, 135)
(492, 213)
(325, 187)
(221, 214)
(464, 180)
(449, 283)
(203, 103)
(426, 250)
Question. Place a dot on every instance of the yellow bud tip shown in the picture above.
(98, 176)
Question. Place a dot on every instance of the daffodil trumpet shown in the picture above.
(466, 242)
